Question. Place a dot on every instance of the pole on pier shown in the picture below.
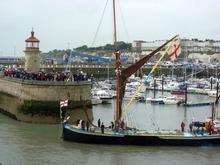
(186, 91)
(61, 122)
(184, 77)
(162, 83)
(154, 88)
(211, 83)
(217, 96)
(213, 112)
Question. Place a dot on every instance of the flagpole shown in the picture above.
(62, 104)
(61, 122)
(172, 69)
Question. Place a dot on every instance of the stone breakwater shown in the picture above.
(38, 101)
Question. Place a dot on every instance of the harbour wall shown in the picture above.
(38, 101)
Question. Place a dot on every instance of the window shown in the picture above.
(32, 45)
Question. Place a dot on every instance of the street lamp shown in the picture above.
(98, 75)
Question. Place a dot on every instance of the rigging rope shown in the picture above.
(93, 42)
(123, 21)
(140, 86)
(99, 25)
(87, 117)
(195, 73)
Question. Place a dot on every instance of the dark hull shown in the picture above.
(178, 92)
(157, 102)
(120, 139)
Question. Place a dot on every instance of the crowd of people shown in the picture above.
(81, 124)
(196, 128)
(199, 127)
(44, 76)
(87, 126)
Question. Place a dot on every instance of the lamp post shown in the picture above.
(98, 75)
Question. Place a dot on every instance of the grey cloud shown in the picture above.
(58, 22)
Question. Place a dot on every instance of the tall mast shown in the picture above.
(114, 26)
(117, 54)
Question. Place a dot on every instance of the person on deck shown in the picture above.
(83, 125)
(112, 125)
(99, 123)
(211, 128)
(191, 127)
(87, 126)
(102, 128)
(77, 122)
(182, 126)
(122, 125)
(79, 125)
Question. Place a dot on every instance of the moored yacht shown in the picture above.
(96, 100)
(172, 100)
(212, 93)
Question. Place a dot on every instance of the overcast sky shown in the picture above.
(59, 22)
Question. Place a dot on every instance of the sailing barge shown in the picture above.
(72, 133)
(134, 136)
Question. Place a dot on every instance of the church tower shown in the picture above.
(32, 54)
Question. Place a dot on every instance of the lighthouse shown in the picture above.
(32, 54)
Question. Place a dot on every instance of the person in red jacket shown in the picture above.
(182, 126)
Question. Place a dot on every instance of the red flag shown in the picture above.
(175, 49)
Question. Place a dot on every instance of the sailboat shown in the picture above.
(118, 135)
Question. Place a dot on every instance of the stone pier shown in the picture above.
(38, 101)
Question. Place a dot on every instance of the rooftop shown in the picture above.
(32, 38)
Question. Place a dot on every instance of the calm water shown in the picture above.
(30, 144)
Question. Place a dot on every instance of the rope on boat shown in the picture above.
(134, 124)
(123, 22)
(154, 124)
(88, 119)
(195, 73)
(100, 23)
(141, 85)
(129, 119)
(87, 116)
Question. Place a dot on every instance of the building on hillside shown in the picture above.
(200, 46)
(204, 58)
(187, 46)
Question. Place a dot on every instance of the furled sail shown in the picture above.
(126, 73)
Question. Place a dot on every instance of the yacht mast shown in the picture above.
(117, 54)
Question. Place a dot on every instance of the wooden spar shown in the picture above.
(117, 66)
(114, 26)
(118, 76)
(122, 75)
(133, 68)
